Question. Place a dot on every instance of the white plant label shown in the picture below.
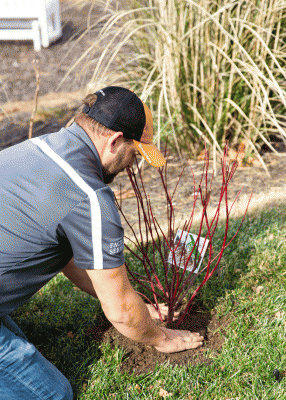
(187, 242)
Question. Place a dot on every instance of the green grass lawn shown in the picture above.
(249, 289)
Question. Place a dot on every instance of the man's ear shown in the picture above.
(115, 141)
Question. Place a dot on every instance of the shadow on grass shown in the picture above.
(236, 258)
(61, 322)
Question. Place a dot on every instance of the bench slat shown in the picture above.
(38, 19)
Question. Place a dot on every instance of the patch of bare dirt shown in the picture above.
(143, 359)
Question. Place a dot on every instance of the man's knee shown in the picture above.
(57, 384)
(25, 367)
(66, 391)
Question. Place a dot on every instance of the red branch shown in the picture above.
(177, 284)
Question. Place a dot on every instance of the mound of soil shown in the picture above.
(141, 359)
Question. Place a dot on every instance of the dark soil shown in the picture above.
(140, 359)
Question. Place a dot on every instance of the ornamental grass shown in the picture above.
(211, 70)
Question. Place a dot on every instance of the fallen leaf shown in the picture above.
(137, 387)
(124, 194)
(242, 145)
(258, 289)
(222, 367)
(201, 156)
(261, 265)
(278, 314)
(164, 393)
(234, 155)
(70, 334)
(256, 163)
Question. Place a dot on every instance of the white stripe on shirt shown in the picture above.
(94, 204)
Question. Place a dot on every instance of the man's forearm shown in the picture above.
(133, 320)
(126, 310)
(138, 326)
(79, 277)
(136, 323)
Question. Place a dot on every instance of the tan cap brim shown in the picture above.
(150, 153)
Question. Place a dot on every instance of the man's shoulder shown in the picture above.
(70, 148)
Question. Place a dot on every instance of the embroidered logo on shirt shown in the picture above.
(116, 247)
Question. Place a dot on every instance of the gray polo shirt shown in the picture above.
(53, 205)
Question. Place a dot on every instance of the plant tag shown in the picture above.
(187, 241)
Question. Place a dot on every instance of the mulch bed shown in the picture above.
(251, 180)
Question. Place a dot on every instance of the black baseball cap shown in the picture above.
(121, 110)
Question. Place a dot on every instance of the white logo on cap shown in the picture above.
(102, 92)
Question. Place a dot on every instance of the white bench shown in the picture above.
(37, 20)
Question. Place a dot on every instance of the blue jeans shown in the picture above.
(24, 373)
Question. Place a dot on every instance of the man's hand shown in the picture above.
(177, 340)
(126, 310)
(163, 309)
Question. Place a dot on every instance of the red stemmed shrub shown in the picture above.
(178, 284)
